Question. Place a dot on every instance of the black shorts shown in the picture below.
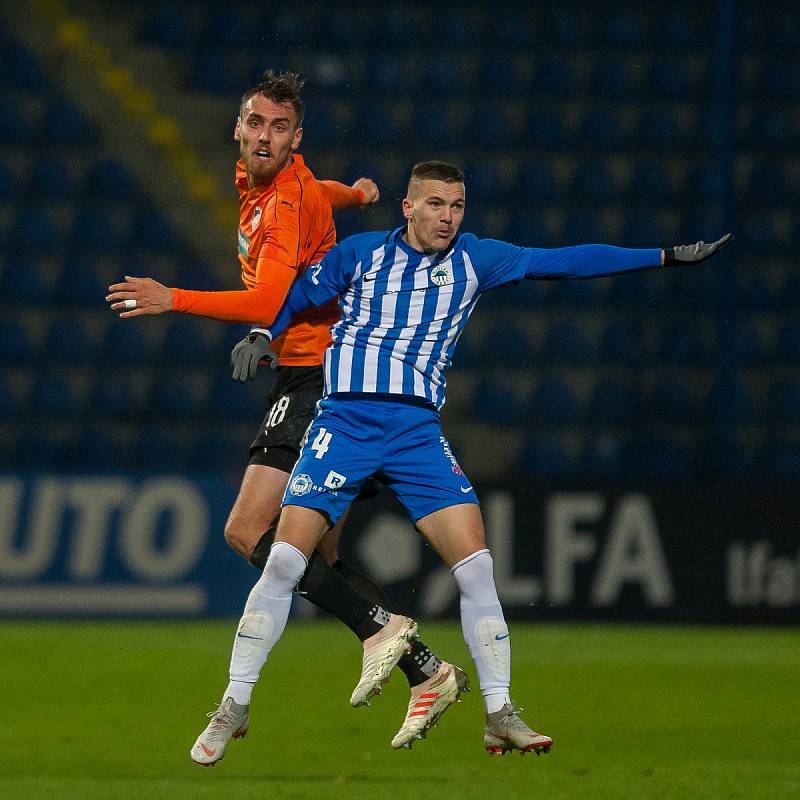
(292, 403)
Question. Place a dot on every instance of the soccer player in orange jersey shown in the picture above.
(285, 224)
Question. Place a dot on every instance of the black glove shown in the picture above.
(684, 255)
(253, 350)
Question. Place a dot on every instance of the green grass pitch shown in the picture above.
(110, 710)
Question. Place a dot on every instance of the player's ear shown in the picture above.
(407, 212)
(298, 135)
(237, 131)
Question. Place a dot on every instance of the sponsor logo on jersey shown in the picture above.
(335, 480)
(441, 275)
(450, 457)
(244, 244)
(301, 485)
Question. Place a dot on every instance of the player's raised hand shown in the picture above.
(685, 255)
(248, 354)
(370, 190)
(138, 296)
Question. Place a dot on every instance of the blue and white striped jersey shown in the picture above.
(403, 311)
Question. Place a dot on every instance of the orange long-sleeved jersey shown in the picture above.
(283, 227)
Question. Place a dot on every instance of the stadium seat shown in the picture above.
(545, 456)
(509, 344)
(625, 29)
(774, 127)
(780, 79)
(180, 394)
(35, 229)
(56, 395)
(28, 281)
(41, 450)
(19, 69)
(722, 458)
(659, 129)
(536, 182)
(231, 400)
(682, 342)
(567, 343)
(159, 448)
(554, 78)
(120, 392)
(129, 344)
(14, 127)
(672, 400)
(9, 185)
(614, 402)
(11, 405)
(778, 458)
(213, 70)
(96, 230)
(660, 459)
(219, 451)
(69, 341)
(749, 345)
(151, 231)
(191, 341)
(787, 343)
(498, 403)
(73, 126)
(783, 402)
(603, 127)
(547, 129)
(554, 402)
(226, 25)
(730, 403)
(622, 343)
(108, 178)
(576, 294)
(652, 181)
(613, 79)
(169, 26)
(500, 70)
(81, 283)
(98, 450)
(672, 81)
(604, 458)
(585, 227)
(769, 182)
(16, 343)
(564, 28)
(596, 182)
(57, 175)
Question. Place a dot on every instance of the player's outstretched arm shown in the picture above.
(139, 296)
(363, 192)
(686, 255)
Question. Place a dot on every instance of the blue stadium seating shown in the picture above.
(783, 402)
(778, 458)
(177, 395)
(27, 281)
(190, 341)
(652, 181)
(98, 450)
(128, 342)
(68, 341)
(682, 342)
(168, 26)
(567, 342)
(621, 343)
(544, 456)
(510, 344)
(74, 127)
(19, 69)
(117, 393)
(554, 403)
(233, 401)
(56, 175)
(35, 229)
(730, 403)
(604, 458)
(81, 283)
(613, 79)
(673, 400)
(151, 231)
(787, 341)
(497, 403)
(670, 80)
(108, 178)
(95, 229)
(603, 128)
(596, 181)
(623, 28)
(16, 344)
(722, 458)
(614, 402)
(160, 448)
(14, 128)
(660, 458)
(10, 405)
(8, 182)
(56, 396)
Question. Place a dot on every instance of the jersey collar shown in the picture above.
(396, 237)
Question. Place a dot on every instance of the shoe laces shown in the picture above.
(513, 720)
(221, 718)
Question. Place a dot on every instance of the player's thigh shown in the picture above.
(340, 452)
(259, 500)
(455, 532)
(329, 544)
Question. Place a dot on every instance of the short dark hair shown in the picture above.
(283, 87)
(436, 171)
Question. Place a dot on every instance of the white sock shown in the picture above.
(484, 627)
(264, 618)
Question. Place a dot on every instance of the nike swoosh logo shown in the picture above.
(500, 638)
(287, 203)
(370, 276)
(465, 489)
(206, 750)
(245, 636)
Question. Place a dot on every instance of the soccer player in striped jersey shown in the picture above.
(285, 224)
(405, 296)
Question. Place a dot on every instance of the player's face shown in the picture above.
(268, 134)
(434, 210)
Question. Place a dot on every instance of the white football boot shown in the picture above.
(429, 700)
(382, 651)
(229, 721)
(505, 732)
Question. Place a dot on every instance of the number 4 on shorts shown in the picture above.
(321, 443)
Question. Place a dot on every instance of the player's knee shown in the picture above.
(475, 577)
(240, 537)
(285, 565)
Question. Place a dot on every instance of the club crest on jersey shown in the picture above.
(441, 275)
(301, 485)
(257, 212)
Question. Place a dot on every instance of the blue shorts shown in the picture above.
(401, 443)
